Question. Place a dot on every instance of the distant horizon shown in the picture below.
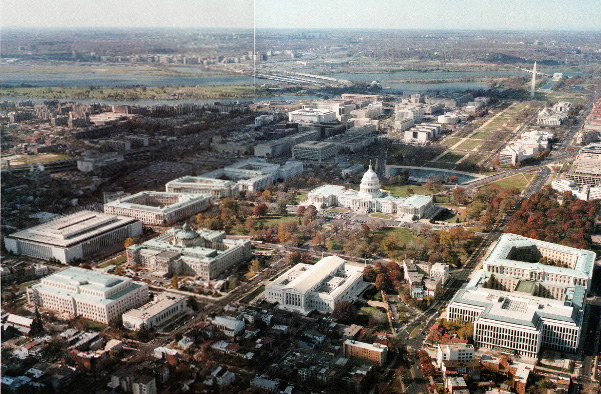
(477, 15)
(314, 29)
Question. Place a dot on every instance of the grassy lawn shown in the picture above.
(302, 196)
(41, 158)
(380, 216)
(469, 144)
(253, 295)
(116, 261)
(519, 181)
(404, 235)
(402, 190)
(450, 141)
(276, 219)
(27, 284)
(338, 210)
(442, 199)
(481, 135)
(452, 157)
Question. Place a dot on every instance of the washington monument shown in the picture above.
(533, 81)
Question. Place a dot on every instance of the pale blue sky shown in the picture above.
(400, 14)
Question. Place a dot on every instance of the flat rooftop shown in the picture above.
(200, 180)
(517, 308)
(156, 306)
(73, 282)
(181, 200)
(499, 255)
(73, 229)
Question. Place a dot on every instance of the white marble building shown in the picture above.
(369, 198)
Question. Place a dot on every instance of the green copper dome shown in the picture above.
(186, 232)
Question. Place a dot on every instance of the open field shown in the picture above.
(449, 141)
(41, 158)
(276, 219)
(469, 144)
(519, 181)
(404, 235)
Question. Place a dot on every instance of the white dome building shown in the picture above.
(369, 198)
(370, 184)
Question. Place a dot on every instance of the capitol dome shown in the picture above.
(370, 183)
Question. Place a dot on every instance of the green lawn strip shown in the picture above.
(416, 330)
(482, 135)
(253, 294)
(452, 157)
(450, 141)
(27, 284)
(115, 261)
(338, 210)
(380, 216)
(469, 144)
(402, 190)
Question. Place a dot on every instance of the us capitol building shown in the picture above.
(370, 198)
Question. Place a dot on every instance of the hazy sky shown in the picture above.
(402, 14)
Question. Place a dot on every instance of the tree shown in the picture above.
(293, 258)
(37, 326)
(344, 312)
(267, 196)
(255, 266)
(382, 282)
(466, 332)
(369, 275)
(193, 303)
(129, 241)
(390, 244)
(365, 231)
(318, 239)
(311, 213)
(300, 211)
(428, 370)
(260, 210)
(250, 224)
(175, 282)
(282, 208)
(459, 196)
(424, 357)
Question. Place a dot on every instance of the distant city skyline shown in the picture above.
(580, 15)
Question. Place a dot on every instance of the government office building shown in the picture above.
(520, 303)
(204, 253)
(159, 208)
(305, 288)
(75, 236)
(164, 308)
(90, 294)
